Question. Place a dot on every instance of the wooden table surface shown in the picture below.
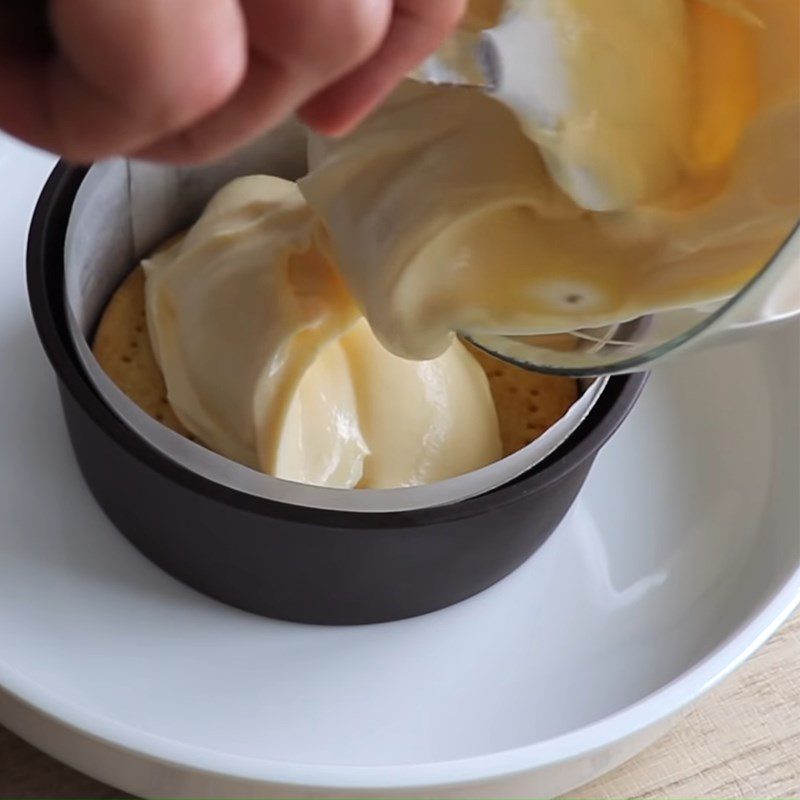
(741, 741)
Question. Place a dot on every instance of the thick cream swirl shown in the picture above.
(268, 361)
(655, 170)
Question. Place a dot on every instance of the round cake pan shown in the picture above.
(286, 561)
(122, 211)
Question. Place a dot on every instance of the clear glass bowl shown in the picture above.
(773, 295)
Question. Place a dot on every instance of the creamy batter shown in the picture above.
(651, 166)
(268, 361)
(650, 163)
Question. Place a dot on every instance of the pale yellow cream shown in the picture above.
(268, 361)
(656, 170)
(650, 164)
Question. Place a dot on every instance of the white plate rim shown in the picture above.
(647, 712)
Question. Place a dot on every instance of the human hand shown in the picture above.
(189, 80)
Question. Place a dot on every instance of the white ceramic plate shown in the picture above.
(681, 556)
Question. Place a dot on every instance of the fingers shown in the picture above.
(188, 80)
(125, 73)
(296, 49)
(317, 41)
(418, 28)
(264, 100)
